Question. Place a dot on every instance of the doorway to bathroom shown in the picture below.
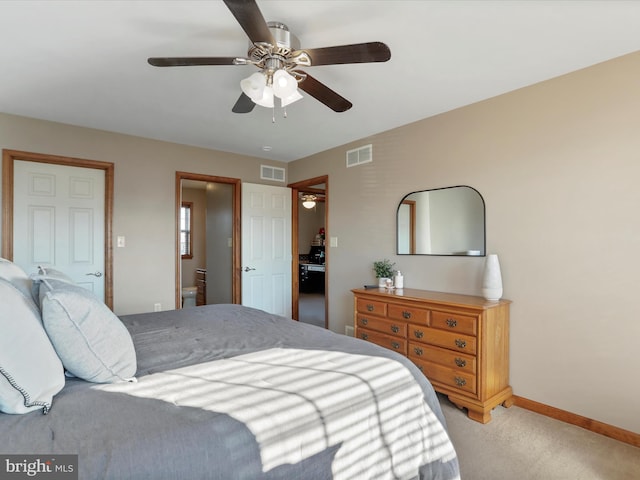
(310, 266)
(207, 239)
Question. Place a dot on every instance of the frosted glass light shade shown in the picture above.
(284, 84)
(253, 86)
(294, 97)
(267, 98)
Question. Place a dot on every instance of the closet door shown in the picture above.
(58, 221)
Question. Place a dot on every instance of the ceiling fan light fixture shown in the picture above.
(308, 200)
(276, 52)
(284, 84)
(254, 86)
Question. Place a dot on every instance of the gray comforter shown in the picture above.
(228, 392)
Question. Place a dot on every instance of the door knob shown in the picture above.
(95, 274)
(248, 269)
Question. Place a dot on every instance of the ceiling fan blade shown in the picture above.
(324, 94)
(354, 53)
(251, 20)
(244, 104)
(189, 61)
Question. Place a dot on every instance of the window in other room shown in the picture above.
(186, 230)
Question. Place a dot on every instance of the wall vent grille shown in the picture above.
(358, 156)
(271, 173)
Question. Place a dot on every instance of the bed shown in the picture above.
(231, 392)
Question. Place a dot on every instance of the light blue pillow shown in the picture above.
(30, 371)
(91, 341)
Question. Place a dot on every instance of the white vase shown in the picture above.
(382, 282)
(492, 278)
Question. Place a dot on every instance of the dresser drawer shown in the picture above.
(408, 314)
(371, 307)
(440, 338)
(455, 360)
(392, 343)
(447, 376)
(455, 322)
(398, 329)
(418, 332)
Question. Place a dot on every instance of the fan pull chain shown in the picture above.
(273, 113)
(284, 112)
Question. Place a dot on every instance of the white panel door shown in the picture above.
(58, 221)
(266, 248)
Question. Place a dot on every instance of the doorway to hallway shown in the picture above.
(310, 259)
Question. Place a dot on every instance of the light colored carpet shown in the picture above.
(522, 445)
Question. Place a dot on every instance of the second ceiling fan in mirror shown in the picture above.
(277, 54)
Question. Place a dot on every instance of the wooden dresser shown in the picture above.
(460, 342)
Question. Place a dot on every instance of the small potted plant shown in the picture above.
(384, 271)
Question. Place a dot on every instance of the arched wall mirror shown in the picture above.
(442, 221)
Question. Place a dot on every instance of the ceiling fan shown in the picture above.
(276, 53)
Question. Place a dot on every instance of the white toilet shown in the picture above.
(189, 296)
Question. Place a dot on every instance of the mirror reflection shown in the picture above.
(443, 221)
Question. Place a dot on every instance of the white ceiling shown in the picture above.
(84, 63)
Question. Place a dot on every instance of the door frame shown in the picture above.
(236, 287)
(8, 159)
(296, 187)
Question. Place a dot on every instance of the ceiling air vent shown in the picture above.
(271, 173)
(358, 156)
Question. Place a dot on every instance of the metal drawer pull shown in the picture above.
(364, 321)
(364, 336)
(395, 328)
(461, 382)
(461, 343)
(406, 314)
(461, 362)
(417, 350)
(452, 322)
(369, 307)
(395, 345)
(418, 333)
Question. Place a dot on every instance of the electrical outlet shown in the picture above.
(157, 307)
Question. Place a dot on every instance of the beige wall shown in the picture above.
(558, 164)
(144, 203)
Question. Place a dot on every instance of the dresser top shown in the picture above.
(455, 299)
